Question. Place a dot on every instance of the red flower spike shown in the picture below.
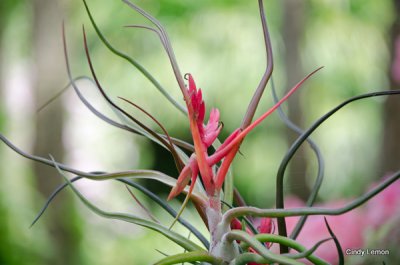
(211, 131)
(203, 136)
(196, 101)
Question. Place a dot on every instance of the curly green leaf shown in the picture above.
(304, 252)
(274, 213)
(180, 240)
(133, 62)
(258, 247)
(199, 256)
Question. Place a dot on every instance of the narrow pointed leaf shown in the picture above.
(133, 62)
(135, 185)
(108, 99)
(306, 253)
(337, 243)
(138, 174)
(251, 109)
(144, 208)
(180, 240)
(168, 48)
(303, 137)
(59, 93)
(274, 213)
(320, 161)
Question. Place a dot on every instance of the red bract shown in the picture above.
(265, 225)
(210, 132)
(190, 171)
(204, 135)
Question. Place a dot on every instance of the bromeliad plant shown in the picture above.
(237, 235)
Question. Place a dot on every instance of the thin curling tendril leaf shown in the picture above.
(320, 161)
(168, 48)
(133, 62)
(130, 127)
(304, 252)
(170, 147)
(193, 256)
(245, 258)
(167, 45)
(258, 247)
(180, 165)
(137, 186)
(60, 92)
(302, 138)
(251, 109)
(337, 243)
(136, 128)
(138, 174)
(142, 206)
(178, 239)
(228, 182)
(276, 213)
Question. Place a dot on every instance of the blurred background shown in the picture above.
(221, 44)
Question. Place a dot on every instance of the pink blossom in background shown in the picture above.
(384, 206)
(348, 228)
(396, 61)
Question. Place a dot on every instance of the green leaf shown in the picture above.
(133, 62)
(303, 137)
(304, 253)
(274, 213)
(259, 248)
(200, 256)
(337, 243)
(135, 185)
(228, 189)
(177, 238)
(320, 161)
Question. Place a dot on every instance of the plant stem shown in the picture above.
(219, 248)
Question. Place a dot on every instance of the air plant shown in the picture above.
(238, 234)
